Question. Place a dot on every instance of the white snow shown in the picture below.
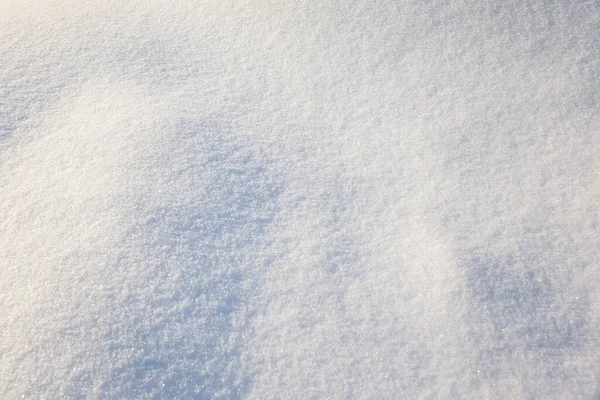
(306, 199)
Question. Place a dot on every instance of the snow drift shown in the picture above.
(368, 199)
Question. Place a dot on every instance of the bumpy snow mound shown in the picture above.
(309, 199)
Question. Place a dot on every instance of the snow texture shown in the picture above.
(367, 199)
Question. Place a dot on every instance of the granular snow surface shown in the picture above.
(370, 199)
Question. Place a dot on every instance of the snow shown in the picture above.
(309, 199)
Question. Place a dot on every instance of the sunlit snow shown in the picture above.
(370, 199)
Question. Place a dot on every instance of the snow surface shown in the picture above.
(300, 200)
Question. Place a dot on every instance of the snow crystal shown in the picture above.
(311, 199)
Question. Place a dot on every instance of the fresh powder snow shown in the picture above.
(368, 199)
